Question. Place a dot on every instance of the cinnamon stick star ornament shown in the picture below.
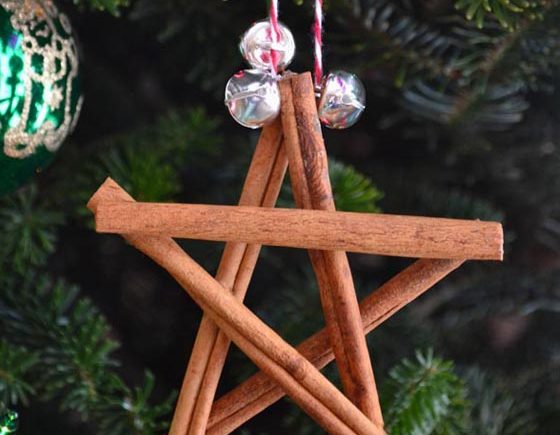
(294, 142)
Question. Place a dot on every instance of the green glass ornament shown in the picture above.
(40, 95)
(9, 422)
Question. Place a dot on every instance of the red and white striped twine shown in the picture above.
(317, 39)
(274, 35)
(318, 42)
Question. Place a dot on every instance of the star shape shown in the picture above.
(296, 142)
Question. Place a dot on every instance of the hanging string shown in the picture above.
(318, 42)
(274, 35)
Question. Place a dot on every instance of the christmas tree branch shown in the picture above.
(62, 352)
(426, 397)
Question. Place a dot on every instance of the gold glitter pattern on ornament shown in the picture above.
(47, 43)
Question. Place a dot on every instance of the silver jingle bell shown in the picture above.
(342, 100)
(253, 98)
(256, 45)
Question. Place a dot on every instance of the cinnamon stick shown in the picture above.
(263, 180)
(259, 392)
(380, 234)
(219, 352)
(312, 190)
(297, 376)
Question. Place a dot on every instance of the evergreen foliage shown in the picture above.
(508, 13)
(425, 396)
(15, 364)
(453, 73)
(352, 190)
(62, 351)
(28, 227)
(147, 162)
